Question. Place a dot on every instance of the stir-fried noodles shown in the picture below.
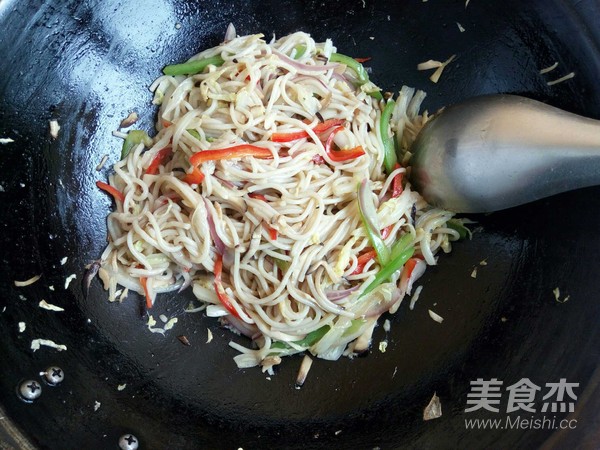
(275, 186)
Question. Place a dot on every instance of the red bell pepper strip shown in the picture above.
(272, 232)
(171, 196)
(237, 151)
(318, 128)
(196, 177)
(341, 155)
(257, 196)
(117, 195)
(362, 60)
(221, 295)
(409, 266)
(159, 160)
(386, 232)
(287, 137)
(362, 261)
(409, 275)
(330, 123)
(397, 183)
(396, 191)
(144, 283)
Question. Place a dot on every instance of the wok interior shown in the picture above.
(88, 64)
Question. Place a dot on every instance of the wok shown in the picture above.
(88, 63)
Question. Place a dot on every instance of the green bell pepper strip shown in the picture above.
(283, 265)
(354, 327)
(389, 151)
(387, 271)
(383, 253)
(457, 225)
(309, 340)
(377, 95)
(133, 139)
(400, 245)
(194, 133)
(358, 68)
(193, 67)
(353, 64)
(300, 51)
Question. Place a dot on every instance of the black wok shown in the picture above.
(88, 63)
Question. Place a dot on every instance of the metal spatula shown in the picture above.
(497, 151)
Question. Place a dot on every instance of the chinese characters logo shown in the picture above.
(487, 394)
